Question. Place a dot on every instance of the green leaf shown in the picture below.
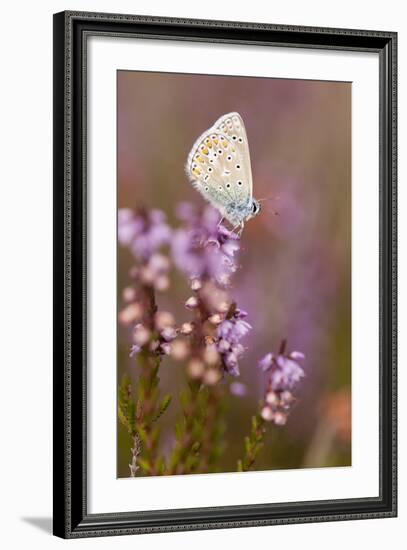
(144, 465)
(247, 444)
(163, 406)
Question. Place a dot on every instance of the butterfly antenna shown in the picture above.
(271, 198)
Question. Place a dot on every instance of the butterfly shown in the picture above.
(219, 168)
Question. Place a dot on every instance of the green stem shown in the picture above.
(253, 444)
(188, 432)
(211, 446)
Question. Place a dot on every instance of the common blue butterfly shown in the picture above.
(219, 168)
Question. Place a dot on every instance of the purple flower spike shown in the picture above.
(204, 249)
(285, 373)
(229, 333)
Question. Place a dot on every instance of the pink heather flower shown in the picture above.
(204, 248)
(141, 335)
(187, 328)
(143, 233)
(233, 330)
(229, 333)
(169, 333)
(287, 375)
(191, 303)
(284, 372)
(164, 319)
(165, 348)
(223, 346)
(266, 362)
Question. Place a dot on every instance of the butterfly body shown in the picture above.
(219, 168)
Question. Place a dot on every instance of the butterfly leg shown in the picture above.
(235, 227)
(221, 220)
(241, 229)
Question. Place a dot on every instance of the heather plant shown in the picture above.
(209, 343)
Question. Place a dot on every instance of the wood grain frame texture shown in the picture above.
(71, 518)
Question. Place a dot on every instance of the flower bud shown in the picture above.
(169, 333)
(141, 335)
(162, 283)
(147, 275)
(223, 346)
(187, 328)
(267, 413)
(196, 284)
(163, 319)
(297, 355)
(212, 376)
(238, 349)
(272, 398)
(159, 263)
(179, 350)
(191, 303)
(196, 368)
(286, 397)
(211, 355)
(166, 347)
(129, 294)
(280, 418)
(215, 319)
(131, 313)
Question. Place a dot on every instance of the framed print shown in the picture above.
(224, 274)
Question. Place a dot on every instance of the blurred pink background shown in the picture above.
(295, 275)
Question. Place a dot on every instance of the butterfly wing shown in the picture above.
(233, 127)
(219, 165)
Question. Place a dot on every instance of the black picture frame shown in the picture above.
(71, 518)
